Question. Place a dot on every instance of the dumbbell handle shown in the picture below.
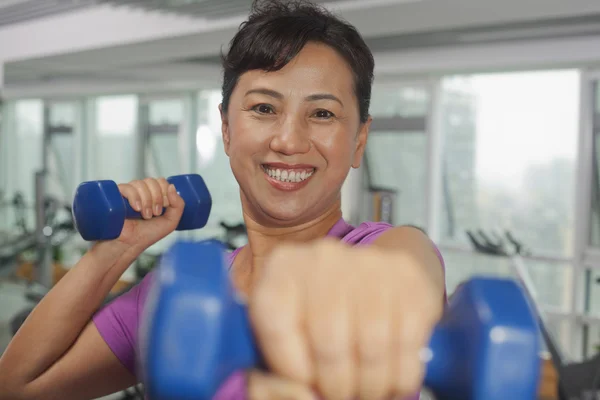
(130, 213)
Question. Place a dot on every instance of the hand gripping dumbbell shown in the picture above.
(100, 211)
(195, 332)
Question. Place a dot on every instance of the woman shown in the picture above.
(339, 311)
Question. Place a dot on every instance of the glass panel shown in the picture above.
(592, 345)
(396, 154)
(559, 329)
(397, 160)
(552, 282)
(29, 128)
(394, 100)
(163, 152)
(115, 139)
(61, 151)
(510, 142)
(591, 280)
(213, 165)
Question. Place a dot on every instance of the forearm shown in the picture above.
(58, 319)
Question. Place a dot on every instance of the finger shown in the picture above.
(411, 336)
(263, 386)
(275, 309)
(374, 333)
(131, 194)
(145, 196)
(330, 335)
(164, 187)
(411, 372)
(156, 195)
(177, 205)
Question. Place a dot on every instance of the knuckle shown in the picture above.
(374, 340)
(413, 326)
(329, 340)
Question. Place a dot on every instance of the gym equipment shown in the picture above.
(100, 211)
(195, 333)
(576, 380)
(232, 235)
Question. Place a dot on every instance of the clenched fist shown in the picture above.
(148, 197)
(345, 322)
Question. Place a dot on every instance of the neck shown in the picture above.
(263, 239)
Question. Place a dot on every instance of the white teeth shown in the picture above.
(288, 175)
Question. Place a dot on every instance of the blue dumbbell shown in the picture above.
(99, 210)
(195, 333)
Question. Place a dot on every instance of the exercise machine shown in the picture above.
(576, 380)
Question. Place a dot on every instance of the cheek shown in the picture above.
(245, 139)
(337, 148)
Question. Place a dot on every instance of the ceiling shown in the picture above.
(390, 26)
(16, 11)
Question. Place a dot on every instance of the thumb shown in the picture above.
(176, 205)
(265, 386)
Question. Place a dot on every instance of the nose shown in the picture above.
(292, 137)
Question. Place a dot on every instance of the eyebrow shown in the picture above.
(279, 96)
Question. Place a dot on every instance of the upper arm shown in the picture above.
(416, 241)
(89, 369)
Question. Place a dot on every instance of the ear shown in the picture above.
(224, 129)
(361, 143)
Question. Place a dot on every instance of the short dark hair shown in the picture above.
(277, 30)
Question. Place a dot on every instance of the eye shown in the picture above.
(263, 109)
(323, 114)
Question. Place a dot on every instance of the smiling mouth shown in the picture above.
(288, 175)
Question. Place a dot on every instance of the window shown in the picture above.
(164, 138)
(62, 127)
(509, 147)
(510, 142)
(213, 166)
(114, 141)
(26, 156)
(396, 154)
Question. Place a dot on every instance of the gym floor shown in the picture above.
(12, 300)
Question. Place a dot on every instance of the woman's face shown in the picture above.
(292, 136)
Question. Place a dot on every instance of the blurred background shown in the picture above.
(486, 115)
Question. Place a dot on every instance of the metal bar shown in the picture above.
(591, 258)
(399, 123)
(44, 261)
(550, 259)
(163, 129)
(582, 199)
(435, 142)
(143, 122)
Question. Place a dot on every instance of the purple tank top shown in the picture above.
(118, 321)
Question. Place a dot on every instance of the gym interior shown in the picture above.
(485, 134)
